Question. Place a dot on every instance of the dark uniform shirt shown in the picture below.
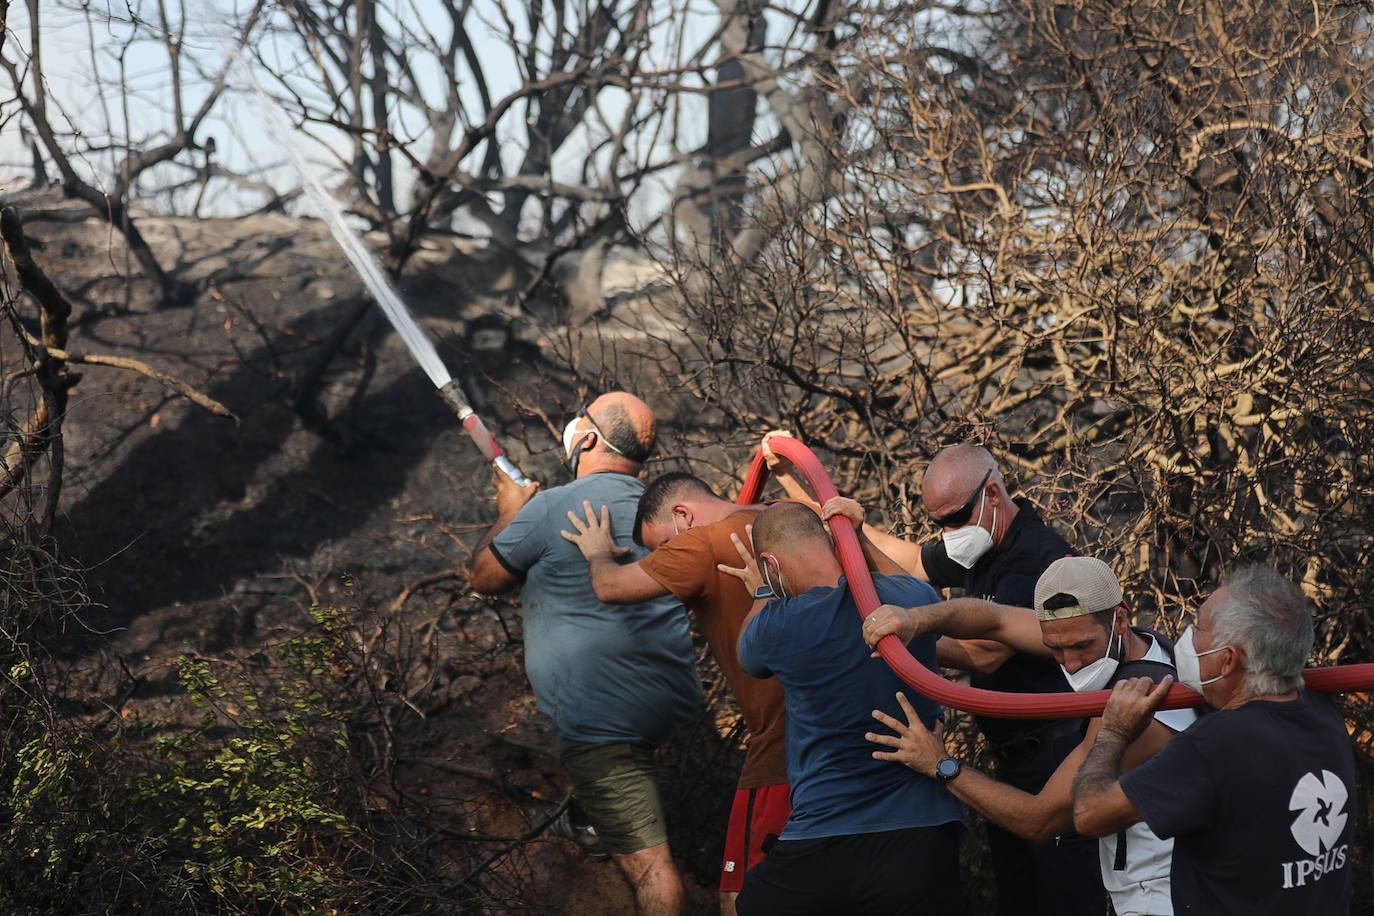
(1007, 574)
(1061, 877)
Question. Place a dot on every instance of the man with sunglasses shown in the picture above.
(615, 679)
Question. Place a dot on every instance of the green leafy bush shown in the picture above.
(244, 813)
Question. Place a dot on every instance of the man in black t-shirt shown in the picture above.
(1258, 796)
(995, 547)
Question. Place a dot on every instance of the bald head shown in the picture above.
(627, 423)
(955, 478)
(960, 468)
(784, 527)
(790, 538)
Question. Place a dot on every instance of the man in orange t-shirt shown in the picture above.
(688, 528)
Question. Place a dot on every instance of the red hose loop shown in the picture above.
(1340, 679)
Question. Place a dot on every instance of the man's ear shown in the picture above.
(1234, 661)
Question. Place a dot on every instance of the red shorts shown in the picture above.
(755, 814)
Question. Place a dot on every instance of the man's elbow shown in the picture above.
(1087, 821)
(488, 577)
(986, 656)
(606, 593)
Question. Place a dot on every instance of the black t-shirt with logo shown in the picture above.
(1260, 801)
(1007, 574)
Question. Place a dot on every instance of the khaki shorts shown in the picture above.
(614, 784)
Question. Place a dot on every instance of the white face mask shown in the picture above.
(967, 544)
(1186, 660)
(571, 436)
(777, 590)
(1094, 676)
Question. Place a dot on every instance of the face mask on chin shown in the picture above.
(1094, 676)
(570, 442)
(1186, 660)
(967, 545)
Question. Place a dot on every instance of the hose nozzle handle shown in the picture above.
(486, 443)
(507, 467)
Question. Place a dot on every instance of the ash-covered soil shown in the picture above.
(212, 537)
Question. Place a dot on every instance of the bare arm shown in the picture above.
(981, 655)
(1036, 817)
(904, 553)
(1099, 805)
(487, 575)
(883, 553)
(962, 618)
(784, 472)
(1039, 817)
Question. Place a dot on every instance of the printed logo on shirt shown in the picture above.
(1320, 802)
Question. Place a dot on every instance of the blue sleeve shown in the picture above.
(906, 591)
(751, 642)
(1173, 790)
(525, 540)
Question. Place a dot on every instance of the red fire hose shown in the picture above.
(1342, 679)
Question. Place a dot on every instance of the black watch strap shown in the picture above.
(947, 768)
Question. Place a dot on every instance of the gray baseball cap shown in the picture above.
(1074, 586)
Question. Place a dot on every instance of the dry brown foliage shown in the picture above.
(1125, 246)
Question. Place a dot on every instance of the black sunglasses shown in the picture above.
(960, 516)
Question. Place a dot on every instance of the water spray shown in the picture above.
(383, 291)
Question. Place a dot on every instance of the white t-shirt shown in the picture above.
(1142, 887)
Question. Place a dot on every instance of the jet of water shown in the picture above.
(377, 282)
(419, 344)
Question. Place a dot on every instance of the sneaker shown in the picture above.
(570, 824)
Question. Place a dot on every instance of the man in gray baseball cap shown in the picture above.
(1081, 621)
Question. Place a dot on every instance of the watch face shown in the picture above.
(947, 768)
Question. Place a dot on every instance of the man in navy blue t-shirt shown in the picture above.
(861, 838)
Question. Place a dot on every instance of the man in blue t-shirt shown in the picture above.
(1260, 795)
(861, 838)
(615, 679)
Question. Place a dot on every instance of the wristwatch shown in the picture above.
(763, 591)
(946, 769)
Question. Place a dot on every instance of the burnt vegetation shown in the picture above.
(1126, 245)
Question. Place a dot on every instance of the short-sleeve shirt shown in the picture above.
(1260, 801)
(686, 566)
(813, 644)
(603, 673)
(1007, 574)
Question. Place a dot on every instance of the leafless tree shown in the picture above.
(1126, 245)
(189, 98)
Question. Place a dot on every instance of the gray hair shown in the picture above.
(1270, 619)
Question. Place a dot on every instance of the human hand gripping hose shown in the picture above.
(1341, 679)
